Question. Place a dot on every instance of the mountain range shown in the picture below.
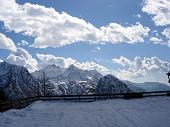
(17, 82)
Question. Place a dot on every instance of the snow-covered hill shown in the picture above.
(110, 84)
(146, 112)
(16, 81)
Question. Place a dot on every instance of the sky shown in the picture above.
(129, 39)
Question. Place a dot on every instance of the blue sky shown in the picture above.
(117, 56)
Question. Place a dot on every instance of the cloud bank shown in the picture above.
(140, 67)
(53, 29)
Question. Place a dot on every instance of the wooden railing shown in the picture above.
(21, 103)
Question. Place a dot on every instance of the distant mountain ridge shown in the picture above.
(153, 86)
(147, 86)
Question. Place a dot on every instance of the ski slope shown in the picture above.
(146, 112)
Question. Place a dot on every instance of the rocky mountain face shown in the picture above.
(16, 82)
(109, 84)
(71, 80)
(51, 71)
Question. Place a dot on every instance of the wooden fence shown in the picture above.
(21, 103)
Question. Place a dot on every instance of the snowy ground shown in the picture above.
(147, 112)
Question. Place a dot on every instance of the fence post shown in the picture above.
(11, 104)
(79, 97)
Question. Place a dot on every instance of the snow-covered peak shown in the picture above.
(51, 71)
(73, 67)
(74, 73)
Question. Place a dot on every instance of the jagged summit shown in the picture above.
(70, 73)
(72, 66)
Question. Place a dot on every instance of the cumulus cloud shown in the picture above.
(53, 29)
(6, 43)
(140, 67)
(122, 61)
(23, 58)
(159, 9)
(44, 60)
(156, 40)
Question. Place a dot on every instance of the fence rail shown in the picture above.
(21, 103)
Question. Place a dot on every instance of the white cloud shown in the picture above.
(45, 60)
(53, 29)
(6, 43)
(156, 40)
(22, 58)
(140, 67)
(166, 32)
(159, 9)
(116, 33)
(23, 43)
(122, 61)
